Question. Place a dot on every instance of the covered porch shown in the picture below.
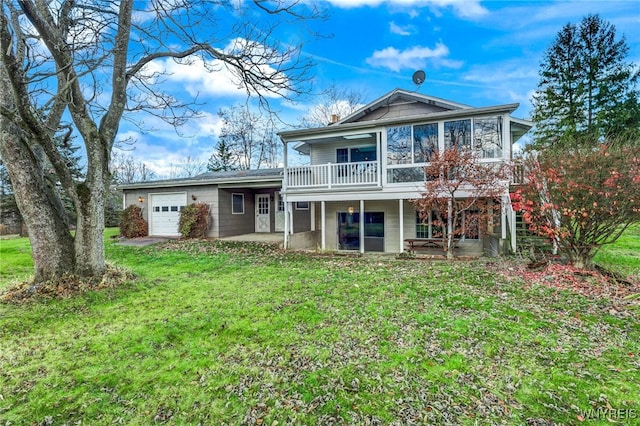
(382, 223)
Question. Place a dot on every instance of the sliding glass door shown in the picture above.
(349, 231)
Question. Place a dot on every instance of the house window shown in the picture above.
(356, 155)
(302, 205)
(365, 153)
(280, 206)
(237, 203)
(425, 142)
(342, 155)
(487, 137)
(457, 134)
(470, 225)
(432, 227)
(422, 227)
(404, 174)
(410, 145)
(399, 145)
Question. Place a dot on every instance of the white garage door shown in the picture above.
(165, 213)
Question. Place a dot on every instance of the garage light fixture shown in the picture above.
(140, 200)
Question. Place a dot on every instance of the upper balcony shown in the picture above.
(326, 176)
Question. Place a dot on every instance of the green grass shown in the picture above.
(622, 257)
(16, 263)
(231, 333)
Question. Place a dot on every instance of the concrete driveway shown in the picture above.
(142, 241)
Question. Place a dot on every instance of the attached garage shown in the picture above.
(165, 213)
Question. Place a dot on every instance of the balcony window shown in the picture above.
(405, 174)
(487, 135)
(457, 134)
(399, 145)
(425, 142)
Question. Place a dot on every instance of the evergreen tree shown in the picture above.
(586, 86)
(73, 160)
(222, 159)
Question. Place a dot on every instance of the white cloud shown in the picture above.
(400, 30)
(162, 147)
(412, 58)
(214, 77)
(510, 72)
(470, 9)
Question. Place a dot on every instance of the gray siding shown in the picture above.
(203, 194)
(235, 224)
(301, 219)
(402, 110)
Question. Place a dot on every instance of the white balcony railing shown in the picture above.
(333, 175)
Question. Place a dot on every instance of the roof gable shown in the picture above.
(401, 103)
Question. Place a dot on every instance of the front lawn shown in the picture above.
(623, 257)
(232, 333)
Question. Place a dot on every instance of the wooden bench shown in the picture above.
(415, 243)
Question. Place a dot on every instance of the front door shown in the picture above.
(263, 220)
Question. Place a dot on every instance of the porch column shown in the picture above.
(283, 194)
(401, 217)
(323, 225)
(290, 214)
(286, 222)
(312, 206)
(361, 226)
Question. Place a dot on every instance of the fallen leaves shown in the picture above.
(593, 284)
(65, 287)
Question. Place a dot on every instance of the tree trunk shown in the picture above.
(90, 260)
(89, 241)
(39, 204)
(450, 226)
(581, 258)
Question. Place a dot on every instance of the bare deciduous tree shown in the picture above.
(89, 63)
(332, 102)
(250, 138)
(187, 167)
(125, 169)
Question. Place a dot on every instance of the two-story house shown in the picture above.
(363, 170)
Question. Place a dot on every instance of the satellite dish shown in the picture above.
(419, 77)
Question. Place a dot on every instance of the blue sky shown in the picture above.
(479, 53)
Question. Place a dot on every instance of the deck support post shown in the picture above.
(362, 226)
(401, 220)
(323, 227)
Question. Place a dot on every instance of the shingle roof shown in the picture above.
(212, 178)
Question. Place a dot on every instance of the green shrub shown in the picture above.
(132, 224)
(194, 221)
